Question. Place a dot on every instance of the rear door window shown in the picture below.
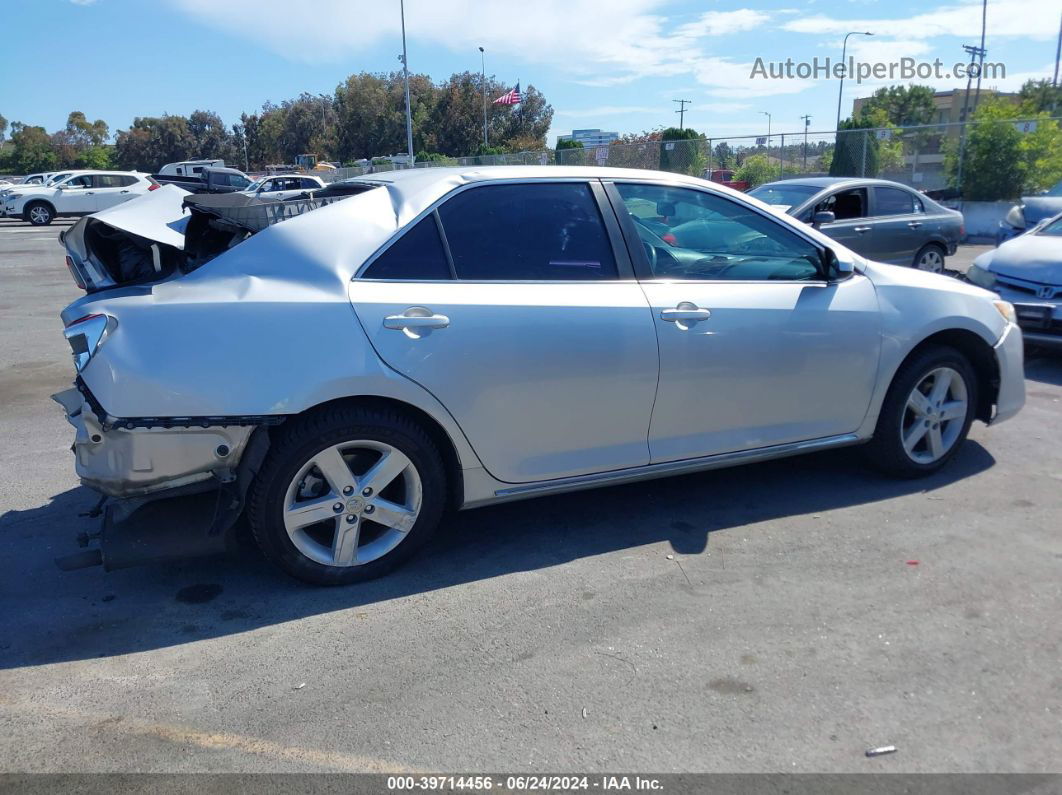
(528, 232)
(893, 201)
(418, 255)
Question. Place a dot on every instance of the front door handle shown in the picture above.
(416, 318)
(914, 224)
(123, 191)
(88, 193)
(862, 229)
(686, 312)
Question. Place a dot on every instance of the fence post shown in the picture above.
(781, 158)
(863, 166)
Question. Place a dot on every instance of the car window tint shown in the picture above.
(309, 183)
(697, 236)
(107, 181)
(529, 232)
(893, 201)
(416, 256)
(128, 180)
(84, 181)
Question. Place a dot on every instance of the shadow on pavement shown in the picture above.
(51, 616)
(1044, 366)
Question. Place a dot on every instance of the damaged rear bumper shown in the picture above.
(169, 491)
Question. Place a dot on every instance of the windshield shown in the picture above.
(255, 185)
(1052, 228)
(58, 178)
(1055, 191)
(784, 196)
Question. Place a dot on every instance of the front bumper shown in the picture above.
(1010, 356)
(1040, 320)
(121, 462)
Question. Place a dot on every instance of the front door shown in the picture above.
(76, 197)
(513, 305)
(853, 227)
(756, 347)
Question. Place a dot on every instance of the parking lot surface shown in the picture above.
(777, 617)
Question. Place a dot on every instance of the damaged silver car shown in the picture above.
(339, 371)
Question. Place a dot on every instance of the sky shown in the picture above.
(613, 64)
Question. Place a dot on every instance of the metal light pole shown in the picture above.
(483, 66)
(768, 115)
(807, 123)
(844, 68)
(405, 72)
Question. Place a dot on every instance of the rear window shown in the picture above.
(893, 201)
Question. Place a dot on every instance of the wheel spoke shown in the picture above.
(383, 472)
(914, 436)
(918, 403)
(345, 543)
(941, 385)
(334, 469)
(303, 514)
(953, 410)
(936, 442)
(393, 515)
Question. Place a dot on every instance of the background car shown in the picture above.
(284, 186)
(1031, 211)
(81, 193)
(1027, 271)
(488, 334)
(882, 220)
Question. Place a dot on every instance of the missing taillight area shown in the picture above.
(85, 335)
(78, 280)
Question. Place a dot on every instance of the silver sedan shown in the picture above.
(445, 339)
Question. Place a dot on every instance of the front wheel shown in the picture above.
(39, 214)
(347, 494)
(926, 414)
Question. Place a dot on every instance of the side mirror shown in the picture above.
(823, 217)
(836, 269)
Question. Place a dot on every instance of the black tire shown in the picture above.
(301, 439)
(886, 450)
(43, 218)
(926, 249)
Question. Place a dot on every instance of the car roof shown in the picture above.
(413, 190)
(274, 176)
(830, 182)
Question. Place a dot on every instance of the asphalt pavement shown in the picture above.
(778, 617)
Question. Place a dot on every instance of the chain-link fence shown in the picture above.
(926, 157)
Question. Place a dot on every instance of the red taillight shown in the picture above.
(153, 186)
(83, 319)
(670, 239)
(77, 278)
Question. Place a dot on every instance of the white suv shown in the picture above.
(80, 193)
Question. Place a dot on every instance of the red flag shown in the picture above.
(510, 98)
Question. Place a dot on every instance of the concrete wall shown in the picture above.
(981, 218)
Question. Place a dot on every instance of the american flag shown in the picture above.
(511, 98)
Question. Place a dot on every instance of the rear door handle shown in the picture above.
(685, 312)
(914, 224)
(862, 229)
(123, 191)
(416, 321)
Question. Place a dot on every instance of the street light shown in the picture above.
(405, 71)
(483, 66)
(844, 49)
(768, 115)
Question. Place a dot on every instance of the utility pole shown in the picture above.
(682, 103)
(1058, 52)
(405, 72)
(981, 53)
(975, 52)
(483, 78)
(807, 123)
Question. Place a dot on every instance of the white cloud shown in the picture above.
(596, 42)
(83, 2)
(722, 23)
(1038, 20)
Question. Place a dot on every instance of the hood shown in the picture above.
(1035, 258)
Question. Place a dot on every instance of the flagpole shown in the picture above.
(483, 77)
(405, 71)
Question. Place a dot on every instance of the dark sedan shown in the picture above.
(884, 221)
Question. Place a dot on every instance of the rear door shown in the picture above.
(113, 189)
(899, 224)
(515, 305)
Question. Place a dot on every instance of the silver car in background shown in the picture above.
(1027, 271)
(452, 338)
(882, 220)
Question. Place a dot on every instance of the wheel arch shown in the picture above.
(46, 202)
(434, 429)
(981, 357)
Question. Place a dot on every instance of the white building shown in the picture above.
(590, 138)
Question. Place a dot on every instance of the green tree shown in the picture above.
(855, 152)
(993, 163)
(680, 151)
(3, 127)
(1038, 96)
(903, 106)
(569, 153)
(152, 142)
(756, 170)
(33, 150)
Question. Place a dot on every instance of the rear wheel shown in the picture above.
(38, 213)
(346, 495)
(930, 258)
(926, 414)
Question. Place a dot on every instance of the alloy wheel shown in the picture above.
(39, 215)
(352, 503)
(934, 415)
(931, 260)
